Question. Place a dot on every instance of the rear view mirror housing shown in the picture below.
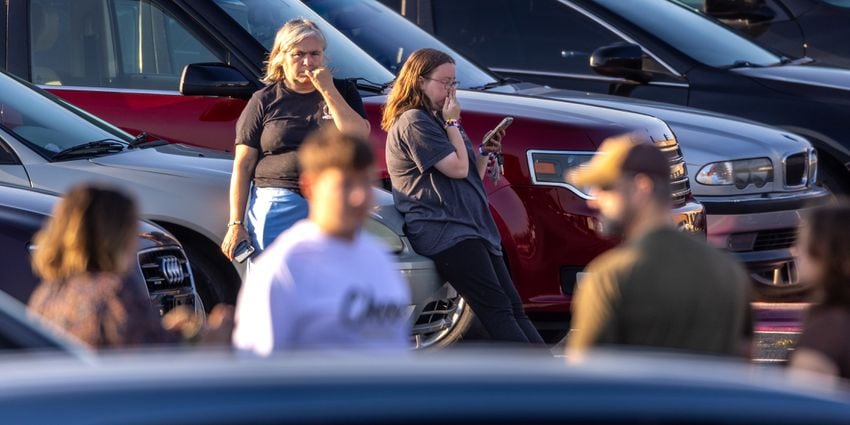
(214, 79)
(620, 60)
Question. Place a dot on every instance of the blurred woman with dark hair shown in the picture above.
(823, 261)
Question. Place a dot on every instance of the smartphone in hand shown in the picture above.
(243, 251)
(507, 121)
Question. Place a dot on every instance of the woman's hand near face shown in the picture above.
(451, 107)
(321, 78)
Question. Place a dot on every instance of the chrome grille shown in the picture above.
(796, 170)
(165, 268)
(680, 186)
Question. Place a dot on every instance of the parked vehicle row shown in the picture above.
(180, 71)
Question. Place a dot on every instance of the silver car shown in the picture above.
(46, 143)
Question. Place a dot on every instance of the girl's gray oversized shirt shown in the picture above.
(439, 211)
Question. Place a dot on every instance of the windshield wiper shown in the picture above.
(493, 84)
(90, 148)
(144, 141)
(742, 64)
(372, 86)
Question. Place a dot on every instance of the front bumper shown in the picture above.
(761, 229)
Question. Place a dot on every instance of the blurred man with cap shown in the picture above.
(661, 288)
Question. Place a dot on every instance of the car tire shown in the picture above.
(213, 284)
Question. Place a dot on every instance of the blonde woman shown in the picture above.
(301, 95)
(436, 177)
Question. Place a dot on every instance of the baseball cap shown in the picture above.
(620, 156)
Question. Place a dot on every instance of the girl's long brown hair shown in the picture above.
(406, 93)
(89, 232)
(829, 243)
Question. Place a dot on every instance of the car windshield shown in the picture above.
(691, 33)
(390, 38)
(47, 124)
(262, 19)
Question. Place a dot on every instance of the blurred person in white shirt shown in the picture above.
(324, 283)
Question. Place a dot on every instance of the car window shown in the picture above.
(46, 124)
(262, 19)
(369, 24)
(692, 34)
(127, 44)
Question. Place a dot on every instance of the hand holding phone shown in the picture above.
(243, 251)
(507, 121)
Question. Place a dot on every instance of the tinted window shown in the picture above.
(46, 125)
(388, 37)
(262, 19)
(690, 33)
(130, 44)
(542, 35)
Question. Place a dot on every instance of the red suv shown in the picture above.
(128, 61)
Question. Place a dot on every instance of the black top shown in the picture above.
(277, 120)
(439, 211)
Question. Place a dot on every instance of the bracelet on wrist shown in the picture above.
(451, 123)
(235, 223)
(481, 150)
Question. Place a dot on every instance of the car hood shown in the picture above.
(173, 159)
(572, 121)
(703, 136)
(810, 82)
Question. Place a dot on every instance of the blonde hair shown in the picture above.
(290, 34)
(406, 93)
(89, 231)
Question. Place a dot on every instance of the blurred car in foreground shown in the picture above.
(19, 331)
(162, 266)
(453, 388)
(815, 28)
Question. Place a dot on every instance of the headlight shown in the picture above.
(551, 168)
(813, 167)
(385, 234)
(742, 173)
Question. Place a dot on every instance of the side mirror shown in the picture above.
(621, 60)
(749, 10)
(214, 79)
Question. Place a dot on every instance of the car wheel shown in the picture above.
(779, 284)
(458, 317)
(212, 283)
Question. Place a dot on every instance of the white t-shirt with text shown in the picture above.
(309, 290)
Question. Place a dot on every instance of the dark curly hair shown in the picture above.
(829, 243)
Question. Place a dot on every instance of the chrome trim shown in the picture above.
(567, 186)
(169, 248)
(112, 90)
(619, 33)
(805, 181)
(668, 84)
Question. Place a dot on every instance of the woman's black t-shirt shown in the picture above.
(277, 120)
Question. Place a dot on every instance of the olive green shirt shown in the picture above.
(665, 290)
